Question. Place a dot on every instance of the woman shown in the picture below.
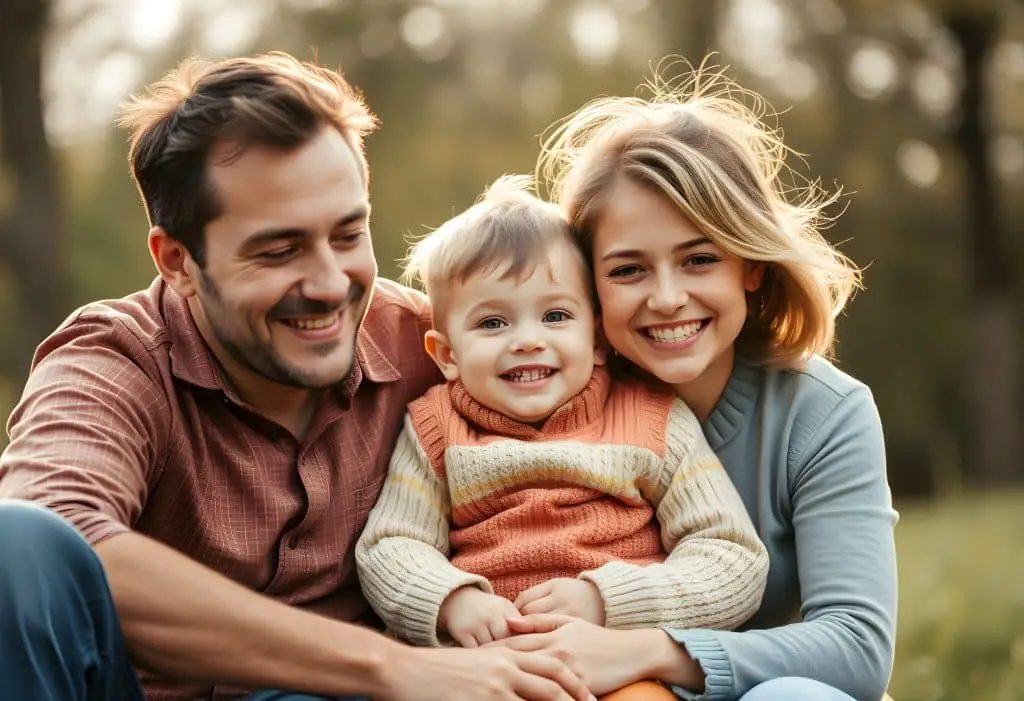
(714, 279)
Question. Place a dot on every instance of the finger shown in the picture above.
(533, 688)
(546, 604)
(483, 635)
(538, 623)
(555, 670)
(464, 639)
(532, 594)
(520, 643)
(498, 629)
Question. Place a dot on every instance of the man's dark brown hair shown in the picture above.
(271, 100)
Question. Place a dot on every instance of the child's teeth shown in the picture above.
(529, 375)
(675, 333)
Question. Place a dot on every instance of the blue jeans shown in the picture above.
(60, 637)
(794, 689)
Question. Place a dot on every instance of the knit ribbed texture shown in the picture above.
(514, 505)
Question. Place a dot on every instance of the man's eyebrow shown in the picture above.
(272, 235)
(633, 253)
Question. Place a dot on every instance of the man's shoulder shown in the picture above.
(395, 324)
(399, 301)
(129, 325)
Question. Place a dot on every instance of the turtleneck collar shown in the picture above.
(580, 411)
(735, 404)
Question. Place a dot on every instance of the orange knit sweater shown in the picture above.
(618, 486)
(533, 521)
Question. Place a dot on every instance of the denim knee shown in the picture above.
(794, 689)
(41, 548)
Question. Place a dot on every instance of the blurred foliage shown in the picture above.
(961, 620)
(867, 88)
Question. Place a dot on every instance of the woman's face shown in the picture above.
(672, 302)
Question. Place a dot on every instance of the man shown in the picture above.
(219, 438)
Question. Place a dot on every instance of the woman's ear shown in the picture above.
(753, 276)
(438, 348)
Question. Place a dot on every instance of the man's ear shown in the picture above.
(600, 343)
(438, 348)
(173, 262)
(753, 276)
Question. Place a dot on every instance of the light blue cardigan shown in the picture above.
(806, 452)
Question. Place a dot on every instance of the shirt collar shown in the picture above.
(192, 360)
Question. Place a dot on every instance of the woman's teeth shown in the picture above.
(320, 322)
(528, 375)
(675, 333)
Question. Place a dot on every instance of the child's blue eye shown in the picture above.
(556, 316)
(491, 323)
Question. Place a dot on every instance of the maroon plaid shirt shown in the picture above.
(127, 422)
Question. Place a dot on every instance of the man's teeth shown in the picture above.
(528, 375)
(320, 322)
(675, 333)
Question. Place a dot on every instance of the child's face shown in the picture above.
(523, 348)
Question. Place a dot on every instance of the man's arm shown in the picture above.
(85, 442)
(187, 621)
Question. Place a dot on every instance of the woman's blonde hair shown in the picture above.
(703, 142)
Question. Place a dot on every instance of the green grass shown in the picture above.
(961, 620)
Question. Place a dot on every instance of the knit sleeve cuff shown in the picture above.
(705, 648)
(423, 602)
(630, 599)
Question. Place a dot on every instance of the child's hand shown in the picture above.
(568, 597)
(473, 617)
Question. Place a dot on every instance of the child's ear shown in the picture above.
(600, 344)
(438, 348)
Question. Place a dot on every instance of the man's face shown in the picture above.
(289, 263)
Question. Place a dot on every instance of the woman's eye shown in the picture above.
(491, 323)
(625, 271)
(701, 259)
(556, 316)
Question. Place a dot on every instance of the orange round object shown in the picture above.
(641, 691)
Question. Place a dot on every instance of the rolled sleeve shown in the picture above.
(85, 437)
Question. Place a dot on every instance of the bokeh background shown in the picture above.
(915, 107)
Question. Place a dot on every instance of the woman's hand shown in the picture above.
(606, 659)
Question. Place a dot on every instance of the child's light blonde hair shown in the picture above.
(698, 142)
(509, 229)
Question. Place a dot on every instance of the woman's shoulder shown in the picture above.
(816, 380)
(802, 400)
(819, 403)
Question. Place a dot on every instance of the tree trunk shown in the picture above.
(30, 234)
(992, 369)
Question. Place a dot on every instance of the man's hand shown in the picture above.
(427, 674)
(473, 617)
(606, 659)
(564, 597)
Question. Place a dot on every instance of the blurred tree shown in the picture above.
(992, 372)
(30, 233)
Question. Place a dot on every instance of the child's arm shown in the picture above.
(402, 555)
(715, 574)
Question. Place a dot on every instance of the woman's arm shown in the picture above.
(843, 523)
(715, 573)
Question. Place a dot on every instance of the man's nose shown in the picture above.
(326, 279)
